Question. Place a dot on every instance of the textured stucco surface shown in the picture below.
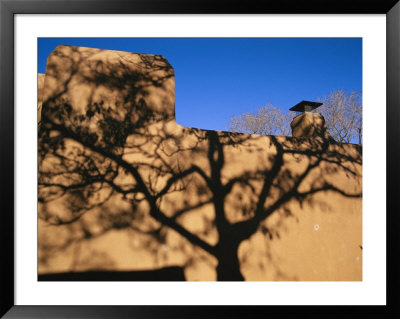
(122, 104)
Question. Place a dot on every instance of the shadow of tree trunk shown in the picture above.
(115, 160)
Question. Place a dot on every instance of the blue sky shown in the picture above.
(218, 77)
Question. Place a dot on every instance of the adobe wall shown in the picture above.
(122, 186)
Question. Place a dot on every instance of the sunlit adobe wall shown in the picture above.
(123, 187)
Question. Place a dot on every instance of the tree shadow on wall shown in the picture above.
(118, 161)
(164, 274)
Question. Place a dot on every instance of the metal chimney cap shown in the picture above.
(305, 106)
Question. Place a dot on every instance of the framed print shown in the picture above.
(83, 140)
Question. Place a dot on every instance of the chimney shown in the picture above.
(309, 125)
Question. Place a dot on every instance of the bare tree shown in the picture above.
(268, 120)
(343, 115)
(342, 112)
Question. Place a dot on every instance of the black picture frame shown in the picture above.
(8, 10)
